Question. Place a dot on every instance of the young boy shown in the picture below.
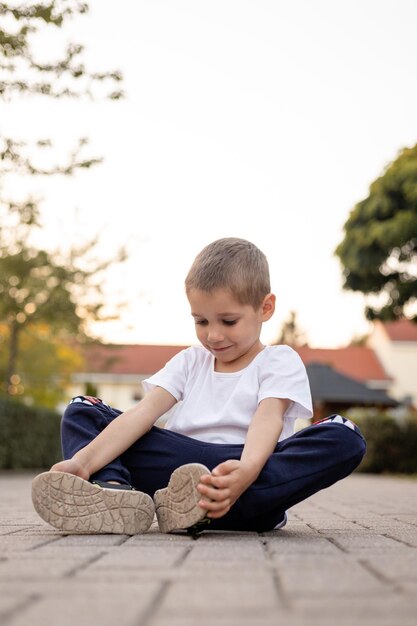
(228, 458)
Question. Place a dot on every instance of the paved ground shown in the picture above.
(348, 556)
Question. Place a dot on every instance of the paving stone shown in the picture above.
(395, 567)
(223, 571)
(293, 527)
(143, 557)
(195, 597)
(6, 530)
(12, 601)
(197, 571)
(35, 531)
(273, 619)
(157, 538)
(214, 536)
(365, 542)
(52, 551)
(301, 545)
(408, 588)
(90, 540)
(16, 543)
(226, 551)
(347, 556)
(324, 523)
(408, 519)
(324, 574)
(375, 606)
(89, 605)
(28, 569)
(402, 534)
(332, 619)
(121, 577)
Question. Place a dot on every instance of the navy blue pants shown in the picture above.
(311, 459)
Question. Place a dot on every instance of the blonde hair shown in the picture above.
(233, 264)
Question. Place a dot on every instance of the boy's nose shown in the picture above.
(214, 335)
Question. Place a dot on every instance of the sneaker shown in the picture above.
(282, 523)
(177, 505)
(196, 529)
(76, 506)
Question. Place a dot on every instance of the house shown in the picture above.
(395, 345)
(333, 392)
(344, 377)
(114, 372)
(357, 362)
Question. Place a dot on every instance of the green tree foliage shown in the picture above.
(20, 69)
(61, 289)
(46, 360)
(22, 26)
(379, 249)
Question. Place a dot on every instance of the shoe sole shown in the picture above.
(177, 505)
(76, 506)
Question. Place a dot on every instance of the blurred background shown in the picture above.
(133, 134)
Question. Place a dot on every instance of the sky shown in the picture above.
(260, 119)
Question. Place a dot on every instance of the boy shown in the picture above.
(227, 457)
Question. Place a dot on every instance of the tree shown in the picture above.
(45, 363)
(63, 290)
(379, 250)
(291, 334)
(20, 70)
(59, 288)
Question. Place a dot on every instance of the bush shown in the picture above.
(29, 436)
(391, 443)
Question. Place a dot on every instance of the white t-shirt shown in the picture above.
(218, 407)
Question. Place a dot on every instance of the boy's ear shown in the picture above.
(268, 307)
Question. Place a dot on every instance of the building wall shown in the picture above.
(399, 359)
(119, 393)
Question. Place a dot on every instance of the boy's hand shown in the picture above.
(224, 486)
(71, 466)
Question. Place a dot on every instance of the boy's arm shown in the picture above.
(230, 479)
(119, 435)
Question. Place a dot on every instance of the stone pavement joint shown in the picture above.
(348, 555)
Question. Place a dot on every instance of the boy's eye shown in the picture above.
(229, 322)
(201, 322)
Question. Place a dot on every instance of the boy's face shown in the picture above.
(228, 329)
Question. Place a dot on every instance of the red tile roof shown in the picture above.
(400, 330)
(358, 362)
(127, 359)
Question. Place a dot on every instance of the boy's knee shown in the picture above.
(357, 446)
(89, 409)
(88, 400)
(354, 445)
(79, 405)
(351, 443)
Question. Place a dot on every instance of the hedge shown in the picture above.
(29, 436)
(391, 443)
